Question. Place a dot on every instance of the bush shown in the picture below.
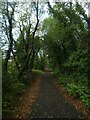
(12, 89)
(81, 92)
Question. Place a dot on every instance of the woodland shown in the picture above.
(35, 36)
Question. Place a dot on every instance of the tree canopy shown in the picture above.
(61, 42)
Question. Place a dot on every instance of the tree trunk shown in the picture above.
(9, 15)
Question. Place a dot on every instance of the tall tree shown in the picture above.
(8, 17)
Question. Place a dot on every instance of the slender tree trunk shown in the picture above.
(89, 52)
(32, 60)
(26, 64)
(17, 65)
(8, 53)
(31, 53)
(9, 16)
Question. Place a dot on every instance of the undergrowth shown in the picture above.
(76, 85)
(13, 88)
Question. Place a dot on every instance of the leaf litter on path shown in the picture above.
(27, 100)
(75, 102)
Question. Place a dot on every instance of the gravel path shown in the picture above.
(50, 104)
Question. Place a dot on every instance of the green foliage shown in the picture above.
(39, 64)
(13, 89)
(66, 39)
(80, 92)
(37, 71)
(63, 42)
(76, 85)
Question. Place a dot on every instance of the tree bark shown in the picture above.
(9, 36)
(17, 65)
(32, 48)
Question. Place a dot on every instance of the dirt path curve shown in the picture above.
(50, 104)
